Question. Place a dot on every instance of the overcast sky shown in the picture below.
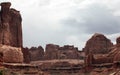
(65, 22)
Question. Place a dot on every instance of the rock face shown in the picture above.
(36, 53)
(11, 54)
(81, 54)
(51, 52)
(98, 44)
(115, 52)
(68, 52)
(10, 26)
(10, 34)
(26, 55)
(112, 57)
(89, 60)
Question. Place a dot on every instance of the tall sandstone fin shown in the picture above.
(10, 34)
(10, 26)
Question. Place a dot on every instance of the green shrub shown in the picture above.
(1, 72)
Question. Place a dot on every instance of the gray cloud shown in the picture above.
(66, 21)
(95, 18)
(44, 2)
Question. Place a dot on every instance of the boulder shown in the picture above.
(11, 54)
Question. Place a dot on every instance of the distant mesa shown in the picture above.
(52, 52)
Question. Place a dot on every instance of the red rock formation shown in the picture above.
(68, 52)
(10, 34)
(112, 57)
(81, 55)
(102, 60)
(11, 54)
(98, 44)
(89, 60)
(51, 52)
(118, 41)
(36, 53)
(10, 26)
(116, 51)
(26, 55)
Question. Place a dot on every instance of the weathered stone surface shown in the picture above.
(81, 55)
(26, 55)
(10, 26)
(10, 34)
(115, 52)
(89, 60)
(51, 51)
(11, 54)
(118, 41)
(68, 52)
(36, 53)
(98, 44)
(112, 57)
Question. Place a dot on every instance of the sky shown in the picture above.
(67, 22)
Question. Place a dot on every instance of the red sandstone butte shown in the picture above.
(51, 52)
(98, 44)
(36, 53)
(112, 57)
(68, 52)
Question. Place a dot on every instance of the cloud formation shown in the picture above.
(95, 18)
(67, 21)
